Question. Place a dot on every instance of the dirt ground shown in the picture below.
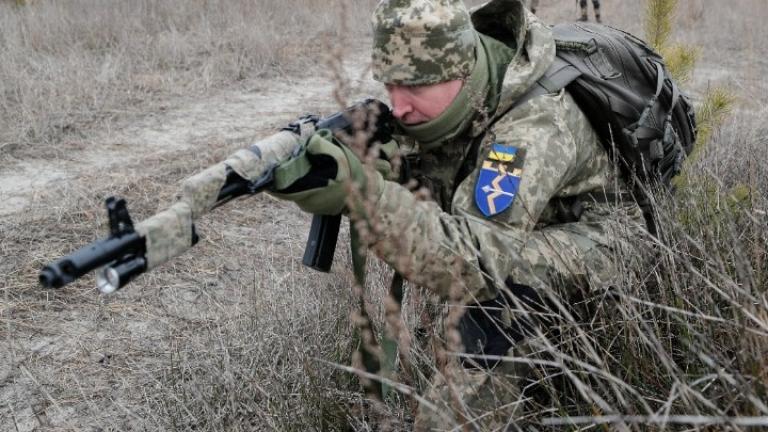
(75, 360)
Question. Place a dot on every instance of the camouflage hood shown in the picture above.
(514, 50)
(510, 23)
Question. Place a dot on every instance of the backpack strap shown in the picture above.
(558, 76)
(660, 77)
(675, 97)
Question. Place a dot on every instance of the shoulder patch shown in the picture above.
(499, 179)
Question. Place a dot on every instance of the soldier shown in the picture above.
(519, 217)
(595, 6)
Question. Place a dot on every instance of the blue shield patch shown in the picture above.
(498, 180)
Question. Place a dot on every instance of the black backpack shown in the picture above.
(625, 90)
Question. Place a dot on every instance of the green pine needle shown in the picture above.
(658, 22)
(710, 115)
(680, 60)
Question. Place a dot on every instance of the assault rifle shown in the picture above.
(131, 250)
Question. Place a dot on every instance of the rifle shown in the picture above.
(131, 250)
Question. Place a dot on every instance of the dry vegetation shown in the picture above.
(236, 335)
(69, 67)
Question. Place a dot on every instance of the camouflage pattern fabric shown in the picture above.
(201, 191)
(418, 42)
(252, 163)
(168, 234)
(564, 158)
(529, 243)
(487, 400)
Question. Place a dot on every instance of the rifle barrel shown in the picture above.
(89, 258)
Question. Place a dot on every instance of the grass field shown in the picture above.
(131, 97)
(69, 67)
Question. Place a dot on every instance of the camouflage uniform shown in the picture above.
(533, 243)
(595, 6)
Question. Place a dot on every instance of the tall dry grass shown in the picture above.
(67, 67)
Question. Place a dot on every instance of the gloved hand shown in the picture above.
(315, 179)
(387, 153)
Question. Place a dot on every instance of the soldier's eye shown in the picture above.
(418, 90)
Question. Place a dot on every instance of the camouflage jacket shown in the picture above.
(434, 243)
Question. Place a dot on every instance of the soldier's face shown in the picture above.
(418, 104)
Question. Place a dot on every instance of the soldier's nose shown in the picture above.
(401, 104)
(401, 110)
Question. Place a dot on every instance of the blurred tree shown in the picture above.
(681, 60)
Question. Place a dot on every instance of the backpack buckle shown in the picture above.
(656, 149)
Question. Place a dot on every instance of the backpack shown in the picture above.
(629, 97)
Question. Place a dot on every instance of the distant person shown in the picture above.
(595, 6)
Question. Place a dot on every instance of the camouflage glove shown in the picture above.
(315, 179)
(387, 153)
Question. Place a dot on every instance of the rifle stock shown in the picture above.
(129, 251)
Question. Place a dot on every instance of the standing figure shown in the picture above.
(595, 5)
(532, 5)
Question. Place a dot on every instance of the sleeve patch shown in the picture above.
(499, 179)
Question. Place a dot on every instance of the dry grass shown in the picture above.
(69, 67)
(217, 340)
(237, 335)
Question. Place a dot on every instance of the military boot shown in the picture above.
(597, 15)
(584, 16)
